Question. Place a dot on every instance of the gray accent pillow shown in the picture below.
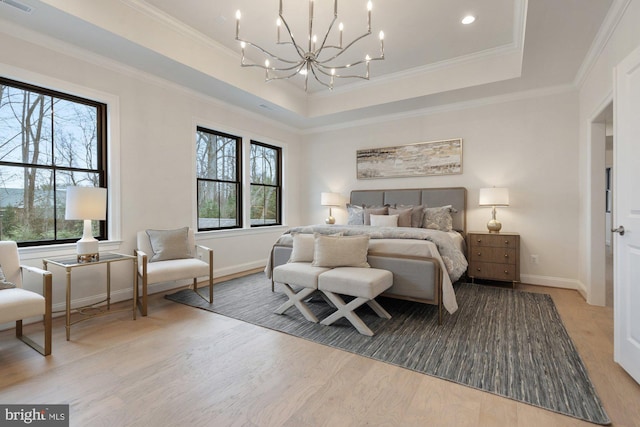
(169, 244)
(438, 218)
(404, 215)
(378, 210)
(4, 283)
(340, 251)
(356, 214)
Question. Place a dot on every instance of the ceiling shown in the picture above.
(431, 59)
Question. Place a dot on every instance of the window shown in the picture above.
(265, 185)
(48, 142)
(218, 178)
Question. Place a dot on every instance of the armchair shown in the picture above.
(17, 304)
(171, 255)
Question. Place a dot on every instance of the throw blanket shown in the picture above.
(451, 259)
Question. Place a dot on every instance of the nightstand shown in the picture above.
(494, 256)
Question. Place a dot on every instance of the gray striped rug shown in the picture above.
(506, 342)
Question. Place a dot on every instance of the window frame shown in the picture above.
(278, 187)
(237, 182)
(101, 155)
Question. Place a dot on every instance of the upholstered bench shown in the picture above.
(300, 274)
(362, 283)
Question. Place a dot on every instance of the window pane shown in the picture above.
(264, 205)
(22, 109)
(26, 204)
(216, 156)
(257, 164)
(217, 205)
(76, 134)
(68, 229)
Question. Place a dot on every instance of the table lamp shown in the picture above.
(87, 204)
(330, 199)
(494, 197)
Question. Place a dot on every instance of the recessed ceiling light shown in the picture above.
(468, 19)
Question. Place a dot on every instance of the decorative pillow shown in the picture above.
(169, 244)
(4, 283)
(438, 218)
(378, 210)
(417, 214)
(340, 251)
(404, 215)
(356, 214)
(384, 220)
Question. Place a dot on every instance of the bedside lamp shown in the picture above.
(494, 197)
(330, 199)
(86, 203)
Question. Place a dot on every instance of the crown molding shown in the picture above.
(608, 27)
(456, 106)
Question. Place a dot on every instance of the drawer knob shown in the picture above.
(479, 253)
(478, 269)
(479, 240)
(506, 242)
(506, 255)
(506, 272)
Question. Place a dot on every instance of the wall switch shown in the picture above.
(535, 259)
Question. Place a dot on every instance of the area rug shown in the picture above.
(510, 343)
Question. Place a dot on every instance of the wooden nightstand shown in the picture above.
(494, 256)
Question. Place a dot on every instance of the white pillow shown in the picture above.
(384, 220)
(340, 251)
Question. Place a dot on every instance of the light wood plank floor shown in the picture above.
(186, 367)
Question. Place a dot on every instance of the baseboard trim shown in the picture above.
(553, 282)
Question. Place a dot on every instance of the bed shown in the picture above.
(424, 262)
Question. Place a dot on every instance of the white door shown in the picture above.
(627, 214)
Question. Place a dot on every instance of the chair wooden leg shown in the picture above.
(143, 304)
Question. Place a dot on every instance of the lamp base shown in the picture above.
(87, 249)
(330, 220)
(494, 226)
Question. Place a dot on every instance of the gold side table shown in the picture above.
(93, 310)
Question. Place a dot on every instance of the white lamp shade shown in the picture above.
(86, 203)
(330, 199)
(494, 197)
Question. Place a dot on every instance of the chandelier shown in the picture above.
(317, 57)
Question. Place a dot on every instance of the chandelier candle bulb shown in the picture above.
(238, 15)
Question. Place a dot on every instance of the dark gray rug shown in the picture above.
(506, 342)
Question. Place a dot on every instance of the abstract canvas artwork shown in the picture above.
(420, 159)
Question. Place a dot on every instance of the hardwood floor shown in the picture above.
(186, 367)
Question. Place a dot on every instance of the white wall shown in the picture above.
(596, 93)
(153, 170)
(528, 145)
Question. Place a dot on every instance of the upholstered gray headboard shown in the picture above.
(431, 197)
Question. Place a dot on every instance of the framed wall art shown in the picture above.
(419, 159)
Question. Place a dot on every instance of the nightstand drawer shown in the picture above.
(493, 255)
(505, 272)
(493, 240)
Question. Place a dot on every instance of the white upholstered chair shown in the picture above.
(174, 265)
(17, 303)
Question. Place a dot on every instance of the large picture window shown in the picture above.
(48, 142)
(265, 184)
(218, 178)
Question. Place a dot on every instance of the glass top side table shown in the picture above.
(93, 310)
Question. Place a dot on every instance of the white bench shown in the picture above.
(364, 284)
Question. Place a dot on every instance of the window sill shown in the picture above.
(235, 232)
(50, 251)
